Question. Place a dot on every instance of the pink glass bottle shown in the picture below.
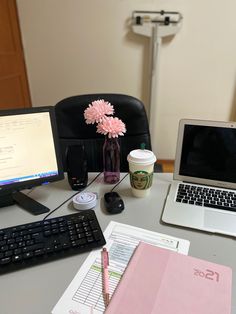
(111, 160)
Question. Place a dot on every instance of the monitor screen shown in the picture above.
(209, 152)
(29, 151)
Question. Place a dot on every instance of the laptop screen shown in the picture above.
(207, 151)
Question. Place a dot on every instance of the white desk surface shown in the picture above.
(37, 289)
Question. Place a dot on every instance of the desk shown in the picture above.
(37, 289)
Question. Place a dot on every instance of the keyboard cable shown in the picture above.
(119, 182)
(52, 211)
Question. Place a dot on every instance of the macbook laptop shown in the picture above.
(203, 192)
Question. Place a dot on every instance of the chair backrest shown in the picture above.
(73, 130)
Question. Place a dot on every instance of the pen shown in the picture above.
(105, 276)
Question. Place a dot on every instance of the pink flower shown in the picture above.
(97, 111)
(111, 126)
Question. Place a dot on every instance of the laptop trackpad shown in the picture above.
(220, 221)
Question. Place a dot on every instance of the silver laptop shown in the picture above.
(203, 193)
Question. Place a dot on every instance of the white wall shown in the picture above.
(85, 46)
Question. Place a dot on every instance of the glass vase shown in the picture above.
(111, 160)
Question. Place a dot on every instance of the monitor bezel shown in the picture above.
(18, 186)
(179, 145)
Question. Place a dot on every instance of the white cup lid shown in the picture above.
(141, 156)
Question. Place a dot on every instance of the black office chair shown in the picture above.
(73, 130)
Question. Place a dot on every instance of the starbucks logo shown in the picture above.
(141, 180)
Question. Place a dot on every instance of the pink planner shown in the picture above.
(160, 281)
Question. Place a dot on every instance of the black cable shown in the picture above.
(119, 182)
(52, 211)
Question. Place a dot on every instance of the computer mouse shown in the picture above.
(113, 203)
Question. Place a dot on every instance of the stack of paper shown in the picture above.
(84, 295)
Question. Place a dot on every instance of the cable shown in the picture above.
(52, 211)
(119, 182)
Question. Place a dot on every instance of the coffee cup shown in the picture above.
(141, 165)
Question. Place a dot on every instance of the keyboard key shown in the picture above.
(226, 207)
(5, 260)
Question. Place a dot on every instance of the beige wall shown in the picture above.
(86, 46)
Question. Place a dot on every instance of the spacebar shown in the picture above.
(220, 207)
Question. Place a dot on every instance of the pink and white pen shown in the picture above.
(105, 276)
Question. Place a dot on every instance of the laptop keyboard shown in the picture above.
(207, 197)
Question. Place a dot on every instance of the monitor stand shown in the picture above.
(24, 201)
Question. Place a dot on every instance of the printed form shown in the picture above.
(84, 294)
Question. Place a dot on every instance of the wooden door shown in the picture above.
(14, 89)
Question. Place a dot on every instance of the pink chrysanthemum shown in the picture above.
(113, 127)
(97, 111)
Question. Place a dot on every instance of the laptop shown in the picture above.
(203, 192)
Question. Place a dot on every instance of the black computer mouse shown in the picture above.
(113, 203)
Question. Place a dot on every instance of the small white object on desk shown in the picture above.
(84, 200)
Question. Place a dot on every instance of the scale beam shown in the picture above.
(156, 25)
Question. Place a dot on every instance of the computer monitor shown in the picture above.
(29, 154)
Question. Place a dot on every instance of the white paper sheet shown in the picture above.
(84, 294)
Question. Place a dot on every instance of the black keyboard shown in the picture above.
(207, 197)
(42, 241)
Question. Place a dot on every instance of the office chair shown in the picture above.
(73, 130)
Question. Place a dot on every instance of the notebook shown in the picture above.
(203, 192)
(158, 280)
